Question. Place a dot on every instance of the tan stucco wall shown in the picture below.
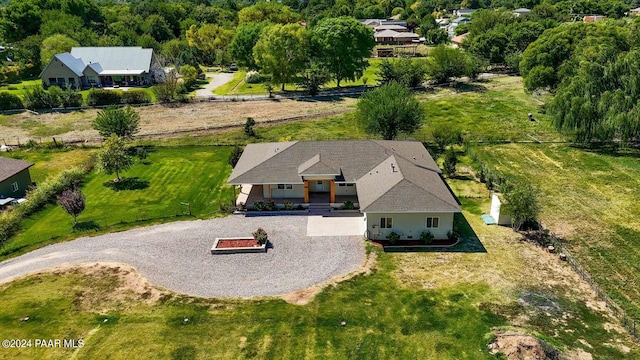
(346, 190)
(409, 224)
(296, 192)
(56, 69)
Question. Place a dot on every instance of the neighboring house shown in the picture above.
(373, 23)
(593, 18)
(14, 178)
(635, 11)
(103, 66)
(457, 41)
(521, 11)
(397, 28)
(463, 12)
(454, 23)
(393, 37)
(396, 184)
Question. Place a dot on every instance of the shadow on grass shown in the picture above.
(466, 87)
(133, 183)
(469, 241)
(610, 149)
(86, 226)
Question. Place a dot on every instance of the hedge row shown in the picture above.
(39, 197)
(101, 97)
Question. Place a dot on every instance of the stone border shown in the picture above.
(238, 250)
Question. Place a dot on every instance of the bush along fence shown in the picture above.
(546, 239)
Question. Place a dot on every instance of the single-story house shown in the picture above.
(103, 66)
(396, 184)
(635, 11)
(14, 178)
(397, 28)
(392, 37)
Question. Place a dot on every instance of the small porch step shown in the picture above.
(319, 208)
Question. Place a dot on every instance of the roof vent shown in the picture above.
(393, 168)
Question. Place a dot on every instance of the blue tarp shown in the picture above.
(488, 219)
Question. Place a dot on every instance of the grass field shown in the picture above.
(153, 190)
(590, 198)
(414, 305)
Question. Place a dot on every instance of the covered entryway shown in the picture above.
(344, 225)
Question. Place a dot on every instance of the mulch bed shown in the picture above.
(222, 244)
(413, 243)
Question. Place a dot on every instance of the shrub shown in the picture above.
(10, 101)
(299, 207)
(260, 235)
(136, 97)
(259, 206)
(452, 235)
(248, 127)
(73, 202)
(450, 162)
(100, 97)
(288, 205)
(252, 77)
(393, 237)
(271, 205)
(235, 155)
(69, 98)
(36, 97)
(9, 224)
(47, 190)
(426, 237)
(348, 205)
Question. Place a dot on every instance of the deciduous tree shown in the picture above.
(73, 202)
(390, 110)
(282, 51)
(55, 44)
(123, 122)
(113, 157)
(342, 46)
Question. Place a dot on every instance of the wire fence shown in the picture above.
(629, 323)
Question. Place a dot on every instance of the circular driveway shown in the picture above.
(177, 256)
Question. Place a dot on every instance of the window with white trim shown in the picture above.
(386, 223)
(342, 184)
(14, 186)
(280, 186)
(350, 184)
(433, 222)
(285, 186)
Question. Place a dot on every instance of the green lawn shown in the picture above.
(225, 89)
(50, 162)
(18, 89)
(168, 177)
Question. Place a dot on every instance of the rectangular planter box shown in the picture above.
(238, 250)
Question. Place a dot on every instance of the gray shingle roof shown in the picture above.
(10, 167)
(413, 183)
(116, 58)
(319, 165)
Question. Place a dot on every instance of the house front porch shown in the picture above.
(249, 194)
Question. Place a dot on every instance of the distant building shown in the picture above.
(463, 12)
(103, 66)
(593, 18)
(521, 11)
(454, 23)
(457, 41)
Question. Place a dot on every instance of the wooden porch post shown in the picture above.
(333, 191)
(268, 191)
(306, 191)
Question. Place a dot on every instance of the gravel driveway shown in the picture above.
(177, 256)
(217, 80)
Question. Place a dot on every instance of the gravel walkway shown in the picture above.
(177, 256)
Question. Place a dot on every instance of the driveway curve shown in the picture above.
(177, 256)
(217, 80)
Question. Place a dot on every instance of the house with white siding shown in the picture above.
(396, 185)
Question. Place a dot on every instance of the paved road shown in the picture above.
(177, 256)
(217, 80)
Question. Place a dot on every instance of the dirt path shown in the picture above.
(217, 80)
